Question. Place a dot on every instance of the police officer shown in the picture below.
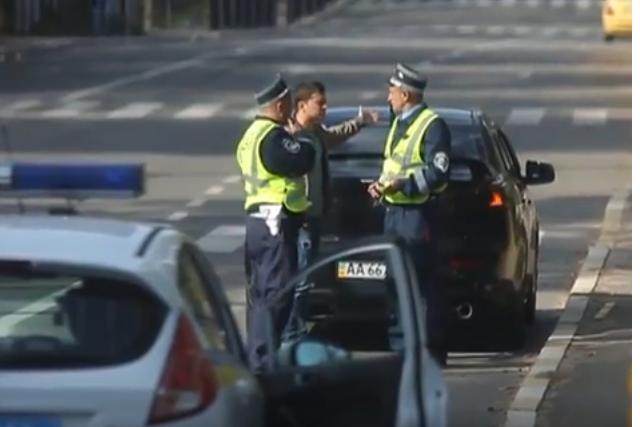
(415, 170)
(273, 165)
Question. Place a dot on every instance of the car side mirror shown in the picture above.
(539, 173)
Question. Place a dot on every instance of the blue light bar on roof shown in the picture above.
(71, 180)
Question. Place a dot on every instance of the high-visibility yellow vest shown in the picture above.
(405, 158)
(260, 185)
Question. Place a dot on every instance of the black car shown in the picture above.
(488, 230)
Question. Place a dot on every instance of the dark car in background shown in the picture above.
(488, 230)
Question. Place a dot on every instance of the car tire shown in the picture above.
(532, 291)
(517, 331)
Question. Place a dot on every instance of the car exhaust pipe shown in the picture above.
(464, 311)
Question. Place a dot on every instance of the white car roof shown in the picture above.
(146, 250)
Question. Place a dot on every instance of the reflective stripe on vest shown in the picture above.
(404, 159)
(261, 186)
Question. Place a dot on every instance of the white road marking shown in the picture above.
(70, 110)
(441, 28)
(589, 116)
(369, 95)
(232, 179)
(223, 239)
(605, 310)
(525, 116)
(250, 113)
(196, 203)
(578, 32)
(583, 4)
(146, 75)
(550, 31)
(214, 190)
(496, 30)
(177, 216)
(135, 110)
(18, 106)
(199, 111)
(466, 29)
(522, 30)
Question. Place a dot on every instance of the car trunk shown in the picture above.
(470, 216)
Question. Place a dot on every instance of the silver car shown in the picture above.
(111, 323)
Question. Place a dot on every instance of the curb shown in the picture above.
(524, 407)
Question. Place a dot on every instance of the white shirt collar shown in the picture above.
(409, 112)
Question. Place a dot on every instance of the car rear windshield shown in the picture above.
(51, 317)
(466, 142)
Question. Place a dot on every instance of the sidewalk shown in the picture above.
(590, 386)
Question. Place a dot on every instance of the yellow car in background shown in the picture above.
(616, 19)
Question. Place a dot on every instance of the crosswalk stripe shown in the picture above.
(589, 116)
(466, 29)
(135, 110)
(368, 95)
(199, 111)
(578, 32)
(70, 110)
(522, 30)
(583, 4)
(496, 30)
(223, 239)
(550, 31)
(525, 116)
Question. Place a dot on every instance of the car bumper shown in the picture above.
(480, 301)
(616, 26)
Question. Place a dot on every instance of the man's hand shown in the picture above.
(375, 190)
(293, 127)
(368, 117)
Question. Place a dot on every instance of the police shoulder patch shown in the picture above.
(441, 161)
(291, 145)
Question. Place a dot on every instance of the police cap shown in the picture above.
(408, 78)
(272, 92)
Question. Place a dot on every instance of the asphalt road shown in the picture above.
(540, 67)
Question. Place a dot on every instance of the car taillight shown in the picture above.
(464, 263)
(188, 383)
(496, 199)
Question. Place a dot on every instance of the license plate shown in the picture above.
(28, 421)
(361, 270)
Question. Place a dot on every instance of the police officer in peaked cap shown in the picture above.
(273, 164)
(415, 170)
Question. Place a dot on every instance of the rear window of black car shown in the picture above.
(466, 142)
(54, 318)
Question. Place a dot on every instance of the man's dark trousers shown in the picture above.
(412, 225)
(270, 261)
